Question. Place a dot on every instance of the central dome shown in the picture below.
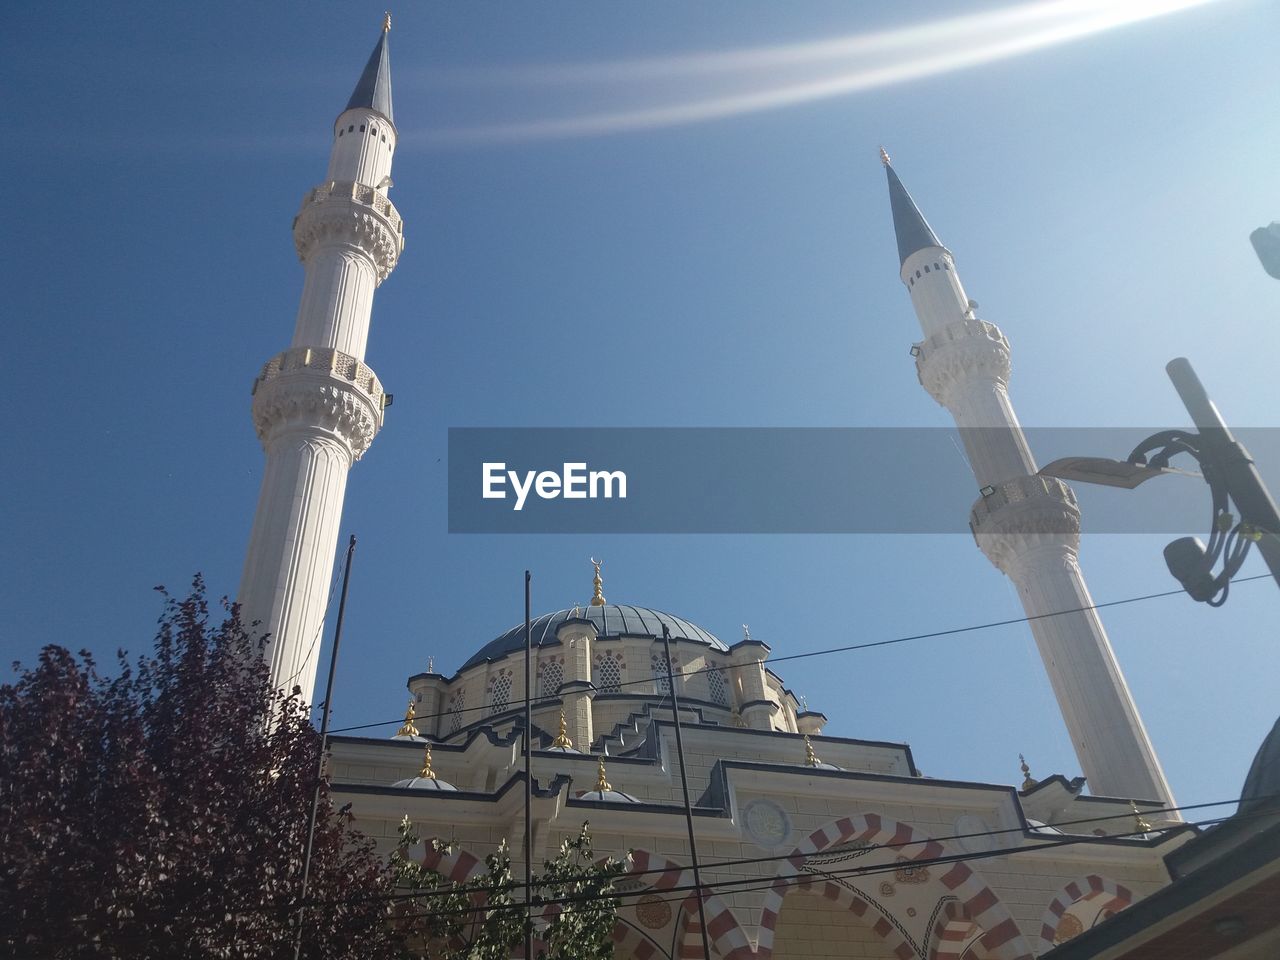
(611, 620)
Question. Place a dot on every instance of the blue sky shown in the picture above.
(736, 270)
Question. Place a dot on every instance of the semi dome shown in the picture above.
(611, 620)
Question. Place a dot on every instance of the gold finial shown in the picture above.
(601, 783)
(597, 598)
(426, 773)
(1140, 824)
(746, 632)
(431, 664)
(562, 740)
(810, 758)
(386, 21)
(884, 157)
(1028, 781)
(409, 729)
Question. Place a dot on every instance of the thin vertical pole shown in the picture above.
(684, 785)
(528, 778)
(324, 738)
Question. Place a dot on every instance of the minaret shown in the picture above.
(1027, 525)
(316, 406)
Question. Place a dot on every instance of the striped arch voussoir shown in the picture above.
(723, 930)
(1086, 888)
(1002, 937)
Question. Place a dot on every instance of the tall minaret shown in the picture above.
(1027, 525)
(317, 407)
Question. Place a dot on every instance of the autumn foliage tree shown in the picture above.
(162, 811)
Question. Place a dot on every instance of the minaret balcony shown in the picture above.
(961, 351)
(320, 386)
(353, 213)
(1012, 516)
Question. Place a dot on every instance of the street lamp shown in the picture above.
(1233, 482)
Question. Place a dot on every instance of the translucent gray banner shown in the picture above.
(801, 480)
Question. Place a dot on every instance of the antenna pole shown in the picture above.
(324, 741)
(528, 778)
(684, 785)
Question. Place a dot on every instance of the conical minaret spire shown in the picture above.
(317, 406)
(1027, 525)
(373, 92)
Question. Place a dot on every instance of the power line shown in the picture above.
(763, 883)
(549, 699)
(892, 845)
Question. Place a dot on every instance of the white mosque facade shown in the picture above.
(811, 844)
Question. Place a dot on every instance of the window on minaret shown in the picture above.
(607, 672)
(551, 676)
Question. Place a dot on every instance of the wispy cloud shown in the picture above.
(692, 88)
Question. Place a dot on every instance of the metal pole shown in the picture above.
(528, 778)
(684, 785)
(324, 735)
(1223, 452)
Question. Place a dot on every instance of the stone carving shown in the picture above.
(352, 214)
(960, 351)
(317, 402)
(1022, 514)
(766, 823)
(653, 912)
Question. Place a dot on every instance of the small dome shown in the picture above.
(607, 796)
(611, 620)
(425, 783)
(1263, 782)
(426, 778)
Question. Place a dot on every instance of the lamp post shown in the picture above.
(1233, 481)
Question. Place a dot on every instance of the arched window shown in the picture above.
(607, 672)
(658, 666)
(717, 686)
(550, 677)
(457, 703)
(499, 691)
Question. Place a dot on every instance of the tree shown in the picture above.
(163, 812)
(483, 918)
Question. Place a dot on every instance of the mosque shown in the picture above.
(810, 844)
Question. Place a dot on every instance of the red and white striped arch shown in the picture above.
(1001, 936)
(1086, 888)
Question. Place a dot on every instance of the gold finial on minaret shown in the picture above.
(409, 729)
(562, 740)
(597, 598)
(1140, 824)
(601, 783)
(1028, 781)
(810, 758)
(884, 156)
(426, 773)
(386, 21)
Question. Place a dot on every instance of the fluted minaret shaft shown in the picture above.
(1027, 525)
(317, 406)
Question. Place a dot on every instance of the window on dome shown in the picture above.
(716, 685)
(499, 692)
(456, 705)
(607, 673)
(658, 665)
(552, 676)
